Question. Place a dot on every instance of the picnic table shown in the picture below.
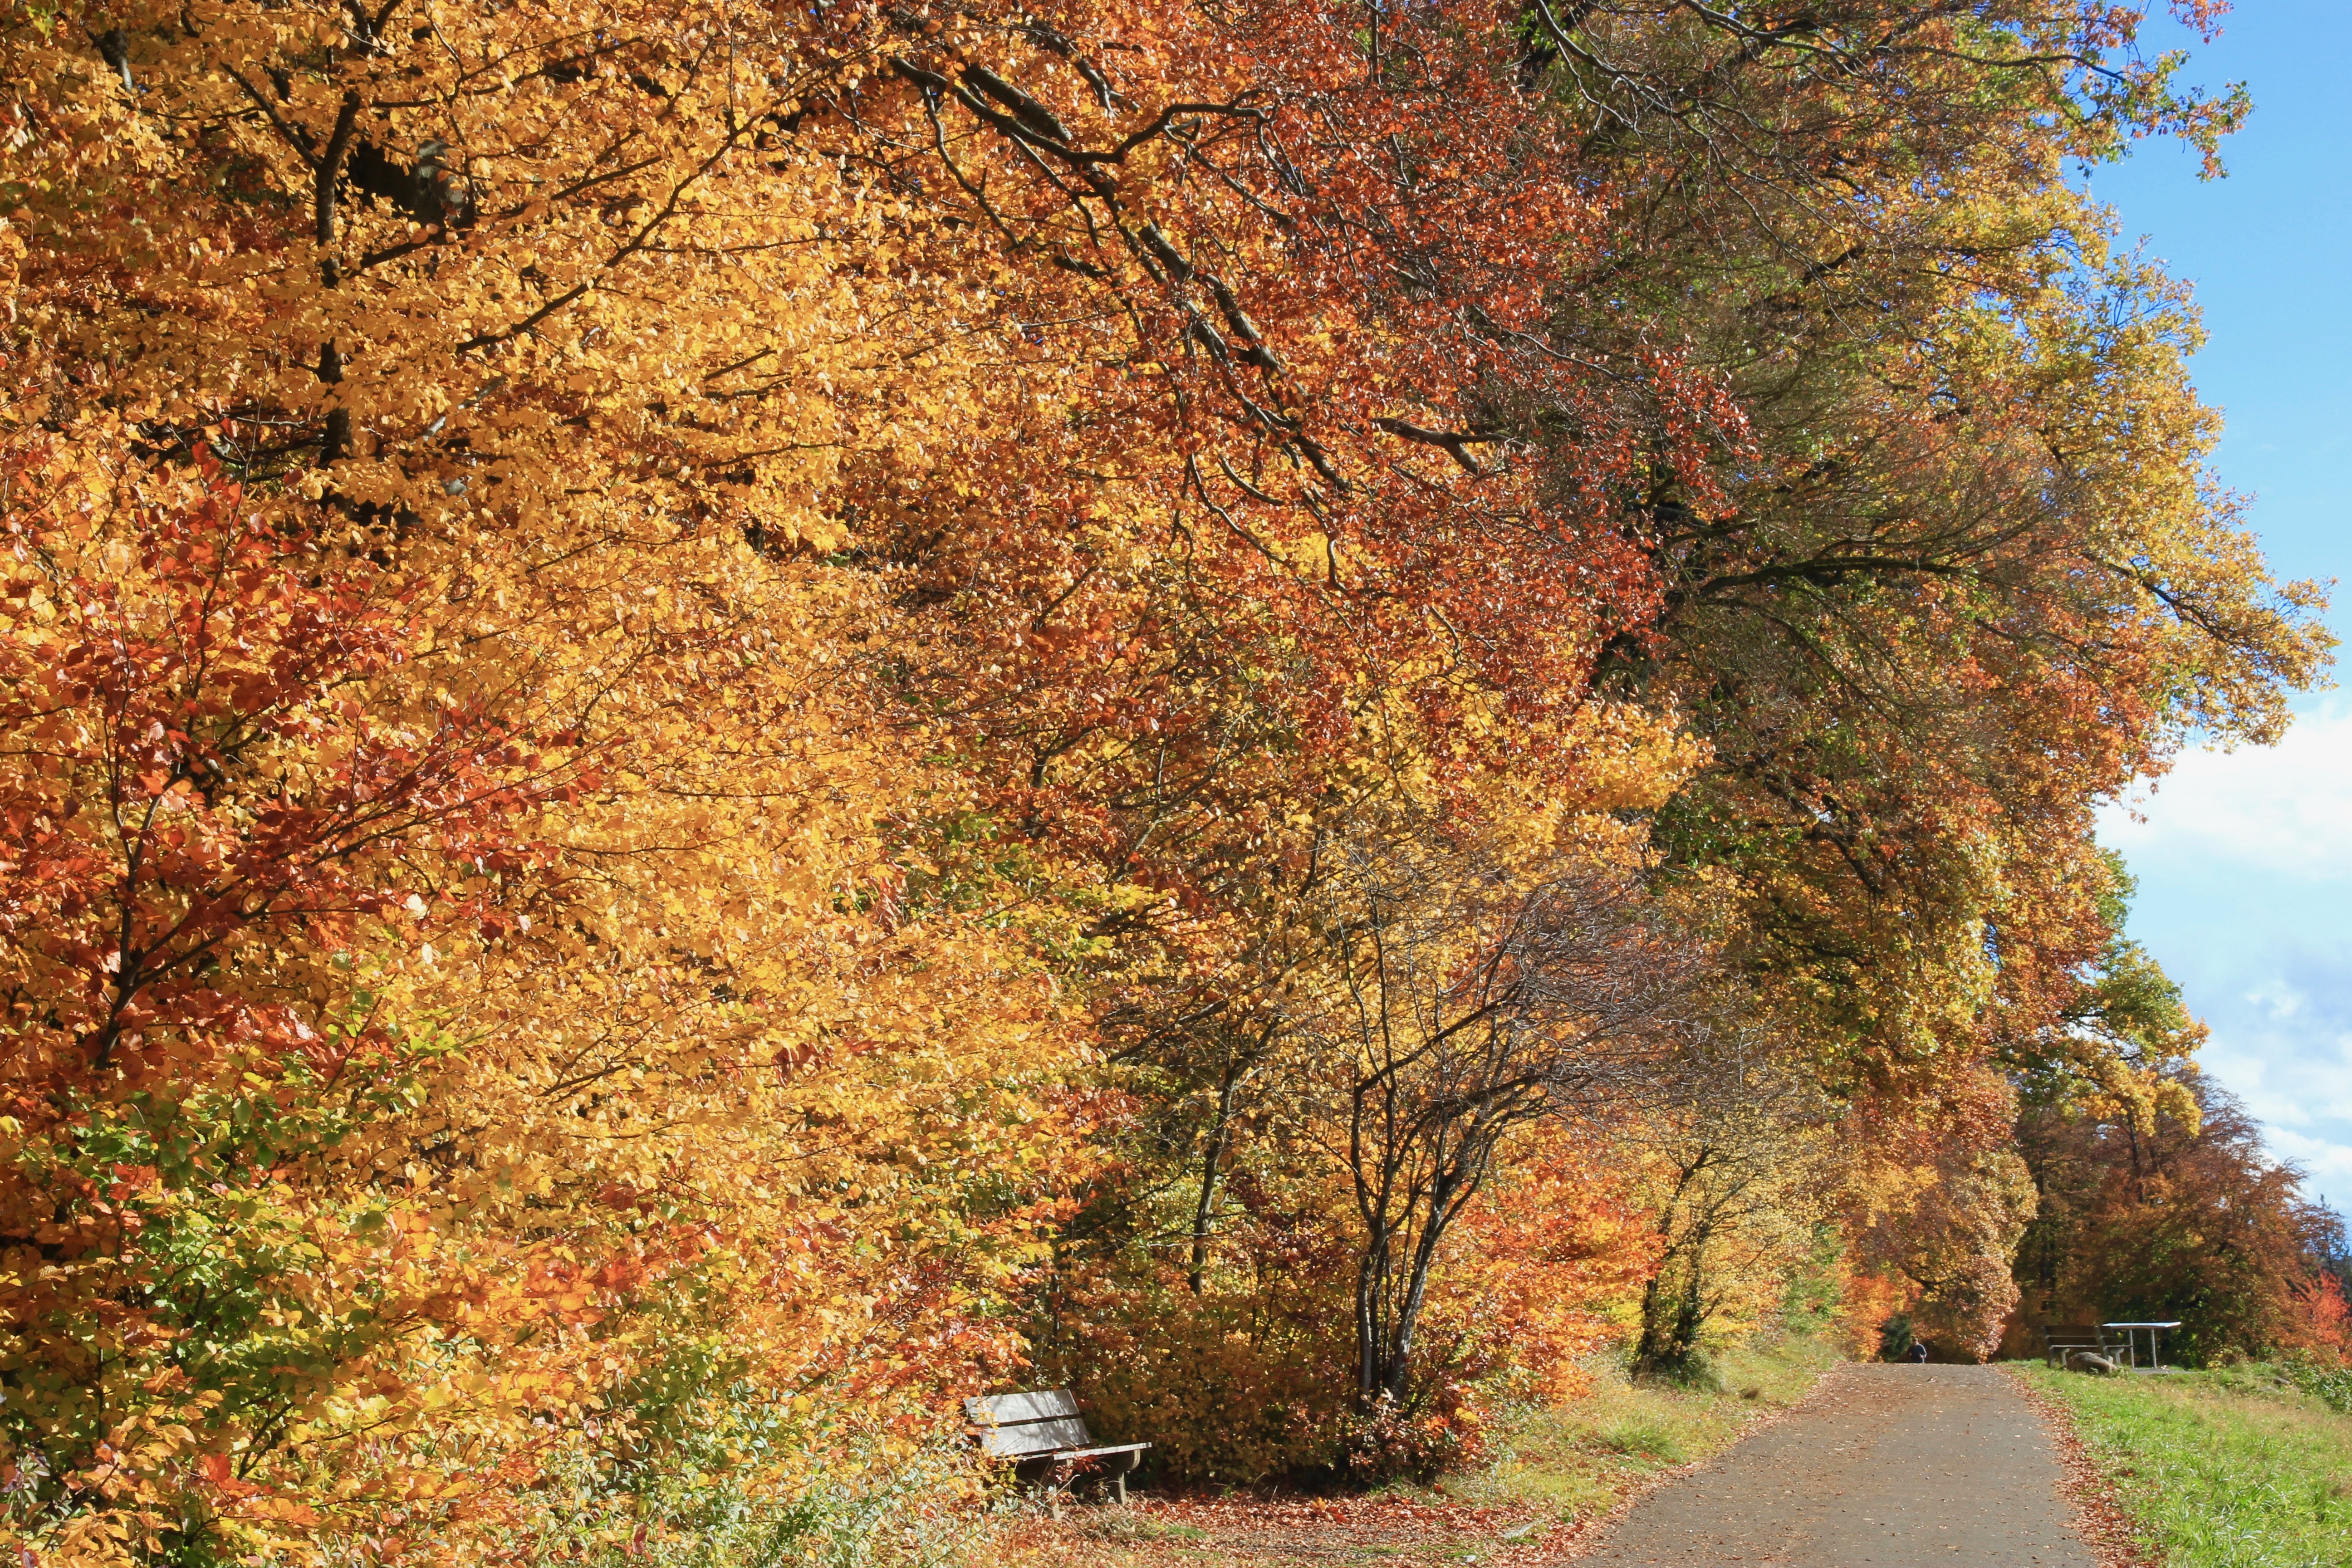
(2131, 1336)
(2061, 1341)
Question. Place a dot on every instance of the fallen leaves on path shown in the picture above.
(2100, 1521)
(1168, 1531)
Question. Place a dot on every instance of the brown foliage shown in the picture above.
(2153, 1217)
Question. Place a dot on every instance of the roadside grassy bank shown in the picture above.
(1579, 1459)
(1556, 1474)
(2236, 1468)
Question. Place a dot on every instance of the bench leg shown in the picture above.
(1118, 1483)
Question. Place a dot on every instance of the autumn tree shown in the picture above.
(1973, 577)
(1455, 1010)
(2174, 1218)
(362, 1079)
(1733, 1134)
(469, 975)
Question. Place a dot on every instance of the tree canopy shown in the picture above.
(720, 720)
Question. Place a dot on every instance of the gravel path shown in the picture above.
(1884, 1467)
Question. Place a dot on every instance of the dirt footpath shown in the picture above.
(1883, 1466)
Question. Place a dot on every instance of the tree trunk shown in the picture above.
(1210, 1158)
(1670, 1325)
(1371, 1277)
(1387, 1326)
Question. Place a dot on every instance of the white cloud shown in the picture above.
(2285, 809)
(2286, 1079)
(2327, 1166)
(2244, 864)
(2277, 1000)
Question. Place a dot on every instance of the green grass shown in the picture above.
(1577, 1460)
(2231, 1468)
(1643, 1433)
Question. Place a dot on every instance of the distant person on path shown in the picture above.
(1919, 1350)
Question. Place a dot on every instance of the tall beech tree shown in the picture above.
(1973, 576)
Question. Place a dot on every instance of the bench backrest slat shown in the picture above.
(1042, 1421)
(1034, 1437)
(1011, 1409)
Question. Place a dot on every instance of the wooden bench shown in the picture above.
(1045, 1437)
(2061, 1339)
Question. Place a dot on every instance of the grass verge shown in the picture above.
(1580, 1459)
(2231, 1468)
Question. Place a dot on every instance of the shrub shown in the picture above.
(2330, 1380)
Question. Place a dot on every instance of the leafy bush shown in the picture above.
(712, 1504)
(2330, 1380)
(1231, 1386)
(1394, 1443)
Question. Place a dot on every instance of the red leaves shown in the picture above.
(1282, 462)
(209, 784)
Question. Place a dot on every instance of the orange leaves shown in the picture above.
(457, 907)
(637, 631)
(2325, 1325)
(203, 780)
(1546, 1260)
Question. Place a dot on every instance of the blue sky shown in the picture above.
(2244, 859)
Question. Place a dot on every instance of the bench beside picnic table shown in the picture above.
(1044, 1436)
(2060, 1341)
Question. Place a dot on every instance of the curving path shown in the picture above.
(1881, 1467)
